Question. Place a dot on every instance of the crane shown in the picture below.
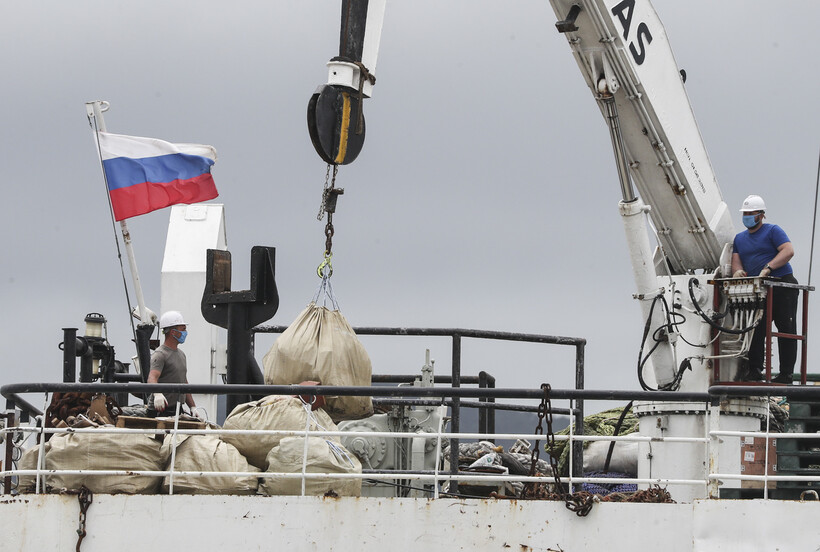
(668, 187)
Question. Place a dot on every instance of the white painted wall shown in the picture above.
(192, 230)
(120, 522)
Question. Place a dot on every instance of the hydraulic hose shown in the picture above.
(694, 282)
(685, 365)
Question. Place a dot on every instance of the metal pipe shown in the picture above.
(805, 331)
(409, 378)
(12, 389)
(578, 452)
(69, 355)
(491, 417)
(492, 406)
(118, 377)
(144, 332)
(86, 361)
(482, 413)
(627, 189)
(9, 450)
(446, 332)
(455, 423)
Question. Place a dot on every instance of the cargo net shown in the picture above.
(604, 489)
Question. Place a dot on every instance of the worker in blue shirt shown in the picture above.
(765, 250)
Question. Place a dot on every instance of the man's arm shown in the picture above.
(737, 267)
(153, 376)
(785, 252)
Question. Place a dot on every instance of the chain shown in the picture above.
(85, 498)
(580, 503)
(325, 192)
(330, 195)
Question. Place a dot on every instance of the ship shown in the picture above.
(697, 442)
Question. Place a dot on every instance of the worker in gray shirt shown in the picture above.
(168, 365)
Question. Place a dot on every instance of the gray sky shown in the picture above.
(485, 197)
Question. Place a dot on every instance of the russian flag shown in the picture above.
(146, 174)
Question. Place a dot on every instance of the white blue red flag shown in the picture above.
(146, 174)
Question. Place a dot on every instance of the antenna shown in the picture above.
(814, 219)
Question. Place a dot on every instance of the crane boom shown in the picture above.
(624, 55)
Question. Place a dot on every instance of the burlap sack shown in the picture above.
(321, 458)
(28, 483)
(273, 412)
(106, 451)
(208, 453)
(320, 345)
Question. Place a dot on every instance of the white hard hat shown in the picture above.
(171, 318)
(753, 203)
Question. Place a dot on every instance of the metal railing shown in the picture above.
(486, 422)
(709, 403)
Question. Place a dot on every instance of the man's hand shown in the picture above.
(739, 274)
(198, 414)
(765, 272)
(160, 402)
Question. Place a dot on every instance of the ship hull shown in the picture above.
(120, 522)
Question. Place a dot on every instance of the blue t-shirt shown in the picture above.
(757, 249)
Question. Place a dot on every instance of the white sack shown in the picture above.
(106, 451)
(28, 483)
(208, 453)
(321, 458)
(624, 457)
(320, 345)
(273, 412)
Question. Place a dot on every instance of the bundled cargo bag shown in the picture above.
(28, 483)
(207, 453)
(273, 412)
(323, 456)
(106, 451)
(320, 345)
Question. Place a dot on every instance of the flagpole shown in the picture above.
(95, 109)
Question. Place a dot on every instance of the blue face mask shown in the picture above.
(749, 221)
(182, 335)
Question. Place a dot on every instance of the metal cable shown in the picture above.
(814, 218)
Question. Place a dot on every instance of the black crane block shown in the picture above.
(261, 301)
(336, 126)
(239, 311)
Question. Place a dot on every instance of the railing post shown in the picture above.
(456, 421)
(713, 424)
(578, 452)
(9, 450)
(768, 361)
(482, 412)
(804, 345)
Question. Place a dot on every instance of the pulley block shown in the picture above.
(336, 124)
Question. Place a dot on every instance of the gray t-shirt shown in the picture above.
(172, 368)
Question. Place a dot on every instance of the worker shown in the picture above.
(168, 365)
(765, 250)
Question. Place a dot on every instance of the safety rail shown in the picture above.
(456, 378)
(710, 406)
(802, 336)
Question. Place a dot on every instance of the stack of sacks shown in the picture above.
(106, 451)
(321, 345)
(271, 413)
(323, 456)
(208, 453)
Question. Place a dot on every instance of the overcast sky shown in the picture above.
(485, 197)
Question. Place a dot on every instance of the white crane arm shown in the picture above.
(623, 43)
